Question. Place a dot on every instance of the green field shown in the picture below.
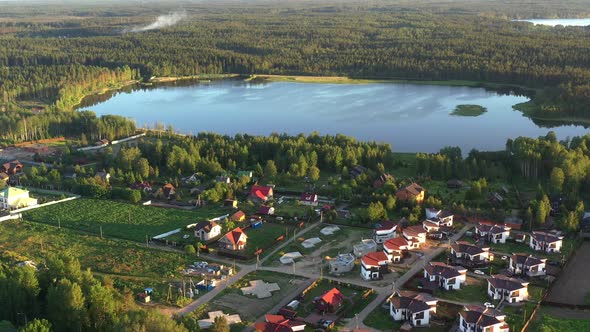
(547, 323)
(120, 220)
(469, 110)
(474, 292)
(264, 236)
(381, 320)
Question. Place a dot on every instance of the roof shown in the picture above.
(546, 237)
(527, 260)
(410, 191)
(444, 270)
(308, 197)
(414, 231)
(168, 186)
(386, 225)
(234, 235)
(503, 282)
(207, 226)
(412, 303)
(481, 316)
(395, 243)
(493, 229)
(374, 258)
(261, 192)
(238, 215)
(333, 297)
(3, 176)
(469, 248)
(12, 191)
(263, 209)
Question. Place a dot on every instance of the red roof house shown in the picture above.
(266, 210)
(330, 301)
(308, 199)
(262, 193)
(278, 323)
(234, 240)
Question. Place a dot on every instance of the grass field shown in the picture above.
(517, 316)
(474, 291)
(547, 323)
(264, 237)
(380, 319)
(120, 220)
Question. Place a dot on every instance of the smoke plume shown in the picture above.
(162, 21)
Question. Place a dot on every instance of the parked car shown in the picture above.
(480, 272)
(504, 258)
(489, 305)
(326, 323)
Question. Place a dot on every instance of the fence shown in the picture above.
(42, 205)
(11, 217)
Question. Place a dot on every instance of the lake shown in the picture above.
(558, 21)
(411, 117)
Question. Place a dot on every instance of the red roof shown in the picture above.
(374, 258)
(238, 215)
(396, 243)
(235, 235)
(308, 197)
(333, 297)
(261, 192)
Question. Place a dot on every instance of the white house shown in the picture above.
(493, 233)
(510, 289)
(470, 255)
(446, 276)
(475, 318)
(416, 309)
(525, 264)
(386, 230)
(542, 241)
(374, 265)
(233, 240)
(308, 199)
(207, 230)
(415, 235)
(440, 217)
(366, 246)
(395, 248)
(15, 198)
(342, 263)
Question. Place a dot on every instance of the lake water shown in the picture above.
(410, 117)
(559, 21)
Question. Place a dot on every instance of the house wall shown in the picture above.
(422, 321)
(397, 315)
(367, 274)
(381, 238)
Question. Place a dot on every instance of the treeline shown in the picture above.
(356, 42)
(59, 296)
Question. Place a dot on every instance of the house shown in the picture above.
(356, 171)
(470, 255)
(207, 230)
(103, 176)
(279, 323)
(475, 318)
(501, 287)
(241, 174)
(261, 193)
(454, 184)
(446, 276)
(492, 233)
(441, 217)
(168, 191)
(15, 198)
(382, 179)
(232, 203)
(234, 240)
(519, 238)
(374, 265)
(525, 264)
(495, 198)
(385, 230)
(4, 177)
(411, 192)
(102, 142)
(366, 246)
(438, 224)
(542, 241)
(395, 248)
(415, 309)
(415, 235)
(342, 263)
(308, 199)
(238, 216)
(331, 301)
(12, 167)
(223, 179)
(191, 179)
(266, 210)
(143, 186)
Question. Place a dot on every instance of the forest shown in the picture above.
(53, 56)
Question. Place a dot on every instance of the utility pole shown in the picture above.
(147, 243)
(58, 223)
(101, 232)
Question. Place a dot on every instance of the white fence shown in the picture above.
(11, 217)
(42, 205)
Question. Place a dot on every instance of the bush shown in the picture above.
(126, 194)
(189, 249)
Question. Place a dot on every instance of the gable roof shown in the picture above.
(527, 260)
(308, 197)
(374, 258)
(235, 236)
(410, 191)
(386, 225)
(396, 243)
(238, 215)
(333, 297)
(414, 231)
(546, 237)
(12, 191)
(414, 303)
(261, 192)
(469, 248)
(444, 270)
(493, 229)
(481, 316)
(206, 226)
(278, 323)
(503, 282)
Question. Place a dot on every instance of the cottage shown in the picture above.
(446, 276)
(331, 301)
(266, 210)
(470, 255)
(12, 167)
(143, 186)
(542, 241)
(342, 263)
(223, 179)
(366, 246)
(411, 192)
(15, 198)
(382, 179)
(438, 224)
(234, 240)
(440, 217)
(492, 233)
(238, 216)
(374, 265)
(309, 199)
(415, 235)
(102, 142)
(356, 171)
(168, 191)
(525, 264)
(395, 248)
(261, 193)
(279, 323)
(232, 203)
(501, 287)
(384, 231)
(478, 318)
(415, 309)
(207, 230)
(103, 176)
(454, 184)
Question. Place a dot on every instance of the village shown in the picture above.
(281, 259)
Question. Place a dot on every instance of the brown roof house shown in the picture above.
(279, 323)
(207, 230)
(234, 240)
(478, 318)
(501, 287)
(470, 255)
(411, 192)
(238, 216)
(12, 167)
(445, 276)
(415, 309)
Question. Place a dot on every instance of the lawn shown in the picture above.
(474, 291)
(548, 323)
(516, 317)
(120, 220)
(354, 295)
(536, 293)
(264, 237)
(380, 320)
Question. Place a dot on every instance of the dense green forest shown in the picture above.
(54, 55)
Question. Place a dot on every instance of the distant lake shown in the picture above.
(411, 117)
(559, 21)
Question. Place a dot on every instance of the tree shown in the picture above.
(543, 209)
(101, 308)
(390, 203)
(270, 169)
(37, 325)
(376, 211)
(142, 168)
(65, 303)
(220, 325)
(189, 249)
(556, 179)
(314, 173)
(570, 221)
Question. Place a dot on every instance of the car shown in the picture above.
(279, 218)
(326, 323)
(489, 305)
(504, 258)
(480, 272)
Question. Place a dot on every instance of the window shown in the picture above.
(419, 315)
